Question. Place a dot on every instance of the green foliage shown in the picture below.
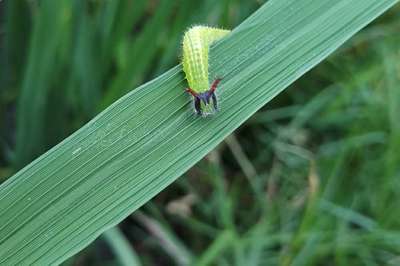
(311, 180)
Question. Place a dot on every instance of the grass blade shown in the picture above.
(62, 201)
(121, 247)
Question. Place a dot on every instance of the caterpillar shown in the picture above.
(196, 43)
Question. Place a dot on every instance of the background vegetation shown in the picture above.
(312, 179)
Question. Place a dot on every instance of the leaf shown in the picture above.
(122, 249)
(62, 201)
(48, 35)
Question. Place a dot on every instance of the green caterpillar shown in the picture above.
(196, 43)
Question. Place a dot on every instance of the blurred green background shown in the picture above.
(311, 179)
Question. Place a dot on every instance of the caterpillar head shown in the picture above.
(205, 103)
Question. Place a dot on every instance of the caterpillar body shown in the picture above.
(196, 43)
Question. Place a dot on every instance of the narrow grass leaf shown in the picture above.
(62, 201)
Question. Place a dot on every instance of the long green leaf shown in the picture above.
(62, 201)
(121, 247)
(48, 35)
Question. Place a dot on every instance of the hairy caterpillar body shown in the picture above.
(196, 43)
